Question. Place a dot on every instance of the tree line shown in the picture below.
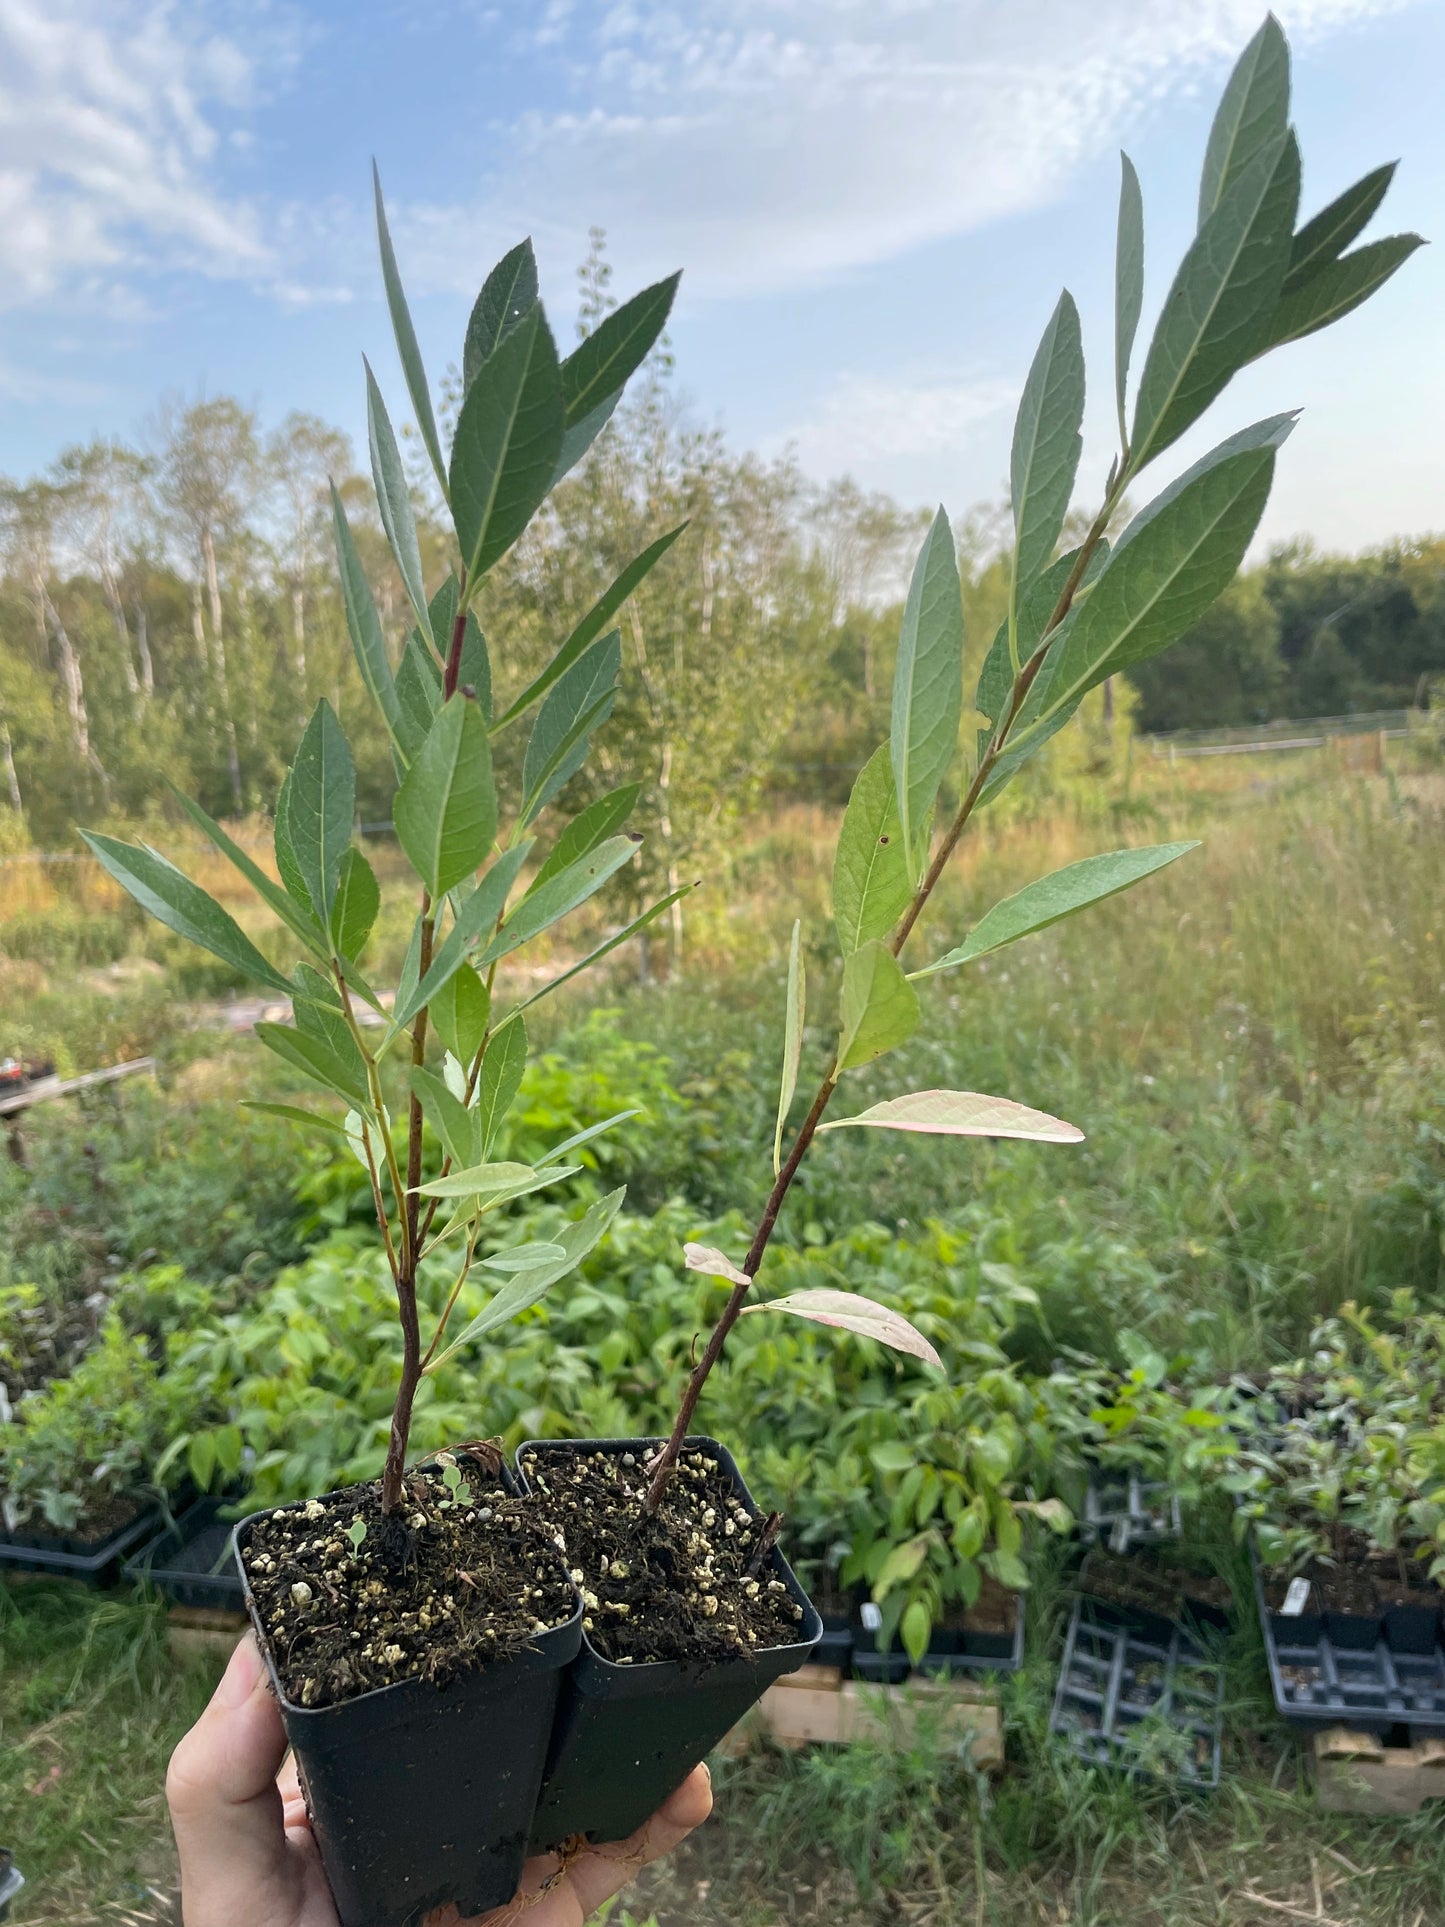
(171, 611)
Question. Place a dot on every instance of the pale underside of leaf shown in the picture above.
(713, 1264)
(847, 1311)
(960, 1114)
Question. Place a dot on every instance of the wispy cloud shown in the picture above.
(112, 113)
(870, 423)
(776, 143)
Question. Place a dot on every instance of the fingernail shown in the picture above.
(239, 1680)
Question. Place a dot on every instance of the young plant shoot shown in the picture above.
(526, 419)
(1249, 282)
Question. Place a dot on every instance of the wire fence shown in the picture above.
(1288, 733)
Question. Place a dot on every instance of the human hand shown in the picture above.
(245, 1843)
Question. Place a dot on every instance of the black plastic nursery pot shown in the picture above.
(1367, 1671)
(420, 1795)
(628, 1735)
(11, 1881)
(71, 1557)
(193, 1562)
(1122, 1510)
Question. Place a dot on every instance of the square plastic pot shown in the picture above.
(973, 1650)
(835, 1648)
(1320, 1680)
(93, 1560)
(628, 1736)
(421, 1795)
(193, 1562)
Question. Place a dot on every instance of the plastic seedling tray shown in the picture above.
(192, 1563)
(835, 1648)
(1139, 1693)
(90, 1559)
(952, 1652)
(1130, 1511)
(1347, 1669)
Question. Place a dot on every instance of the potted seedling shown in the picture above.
(416, 1627)
(665, 1535)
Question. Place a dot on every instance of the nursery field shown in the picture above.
(1251, 1044)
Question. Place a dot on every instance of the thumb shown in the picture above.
(225, 1808)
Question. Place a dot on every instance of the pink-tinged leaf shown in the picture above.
(962, 1114)
(708, 1259)
(850, 1313)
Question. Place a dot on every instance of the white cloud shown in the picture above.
(772, 143)
(111, 114)
(868, 424)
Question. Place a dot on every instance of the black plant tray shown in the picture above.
(951, 1653)
(835, 1648)
(1139, 1693)
(1371, 1673)
(1130, 1511)
(193, 1562)
(90, 1559)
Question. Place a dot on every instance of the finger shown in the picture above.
(225, 1807)
(604, 1871)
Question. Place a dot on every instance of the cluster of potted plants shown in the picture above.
(473, 1657)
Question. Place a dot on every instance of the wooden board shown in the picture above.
(1358, 1773)
(817, 1706)
(210, 1630)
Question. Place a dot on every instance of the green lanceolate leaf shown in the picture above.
(507, 295)
(461, 1010)
(393, 498)
(406, 343)
(1160, 579)
(595, 374)
(297, 916)
(1054, 897)
(880, 1006)
(362, 622)
(295, 1114)
(1217, 313)
(487, 1181)
(523, 1257)
(419, 693)
(846, 1311)
(591, 625)
(927, 685)
(317, 1010)
(286, 864)
(794, 1013)
(315, 1059)
(1338, 287)
(500, 1080)
(182, 906)
(446, 810)
(597, 822)
(474, 920)
(453, 1123)
(321, 807)
(1046, 444)
(960, 1114)
(614, 942)
(527, 1287)
(563, 894)
(1326, 237)
(579, 1138)
(508, 435)
(1252, 115)
(1128, 282)
(872, 884)
(357, 901)
(581, 702)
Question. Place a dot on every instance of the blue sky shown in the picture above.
(874, 202)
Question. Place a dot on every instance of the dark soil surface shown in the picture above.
(1361, 1579)
(1151, 1584)
(458, 1578)
(994, 1611)
(692, 1582)
(102, 1515)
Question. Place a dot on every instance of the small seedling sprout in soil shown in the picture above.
(1248, 282)
(526, 419)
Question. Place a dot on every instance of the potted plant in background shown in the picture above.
(645, 1520)
(416, 1626)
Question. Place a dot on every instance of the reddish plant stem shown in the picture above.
(454, 653)
(410, 1256)
(662, 1467)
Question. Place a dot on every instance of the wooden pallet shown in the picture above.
(211, 1630)
(1358, 1773)
(816, 1705)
